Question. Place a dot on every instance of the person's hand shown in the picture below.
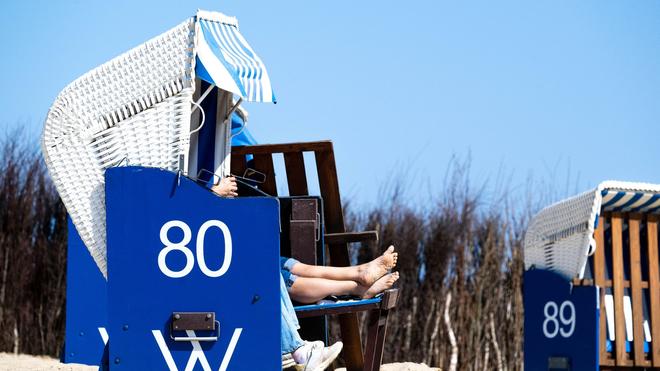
(226, 188)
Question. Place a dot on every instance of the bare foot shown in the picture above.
(381, 285)
(368, 273)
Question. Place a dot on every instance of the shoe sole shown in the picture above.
(288, 364)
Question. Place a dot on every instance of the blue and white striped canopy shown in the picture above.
(630, 201)
(226, 60)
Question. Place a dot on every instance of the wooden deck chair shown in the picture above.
(335, 237)
(609, 238)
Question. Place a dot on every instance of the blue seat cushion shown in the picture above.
(338, 304)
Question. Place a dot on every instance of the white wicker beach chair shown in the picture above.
(617, 223)
(136, 110)
(560, 237)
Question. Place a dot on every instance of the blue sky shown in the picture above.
(564, 92)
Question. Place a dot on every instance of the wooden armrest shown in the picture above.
(348, 237)
(390, 298)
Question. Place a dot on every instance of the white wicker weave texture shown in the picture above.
(132, 110)
(557, 235)
(560, 237)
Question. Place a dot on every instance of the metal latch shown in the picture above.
(559, 364)
(194, 321)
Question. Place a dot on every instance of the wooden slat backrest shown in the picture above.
(238, 165)
(296, 177)
(297, 180)
(264, 163)
(654, 287)
(332, 209)
(644, 276)
(634, 222)
(617, 281)
(599, 279)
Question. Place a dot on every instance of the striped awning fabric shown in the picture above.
(560, 237)
(225, 59)
(616, 200)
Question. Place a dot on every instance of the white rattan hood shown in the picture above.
(560, 237)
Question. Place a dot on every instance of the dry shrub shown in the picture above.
(32, 252)
(459, 245)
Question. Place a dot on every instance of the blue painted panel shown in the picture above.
(140, 201)
(560, 323)
(86, 311)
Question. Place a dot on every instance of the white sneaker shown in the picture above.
(316, 357)
(288, 359)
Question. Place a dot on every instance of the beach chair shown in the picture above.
(141, 121)
(606, 242)
(143, 108)
(334, 237)
(136, 122)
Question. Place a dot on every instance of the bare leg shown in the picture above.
(311, 290)
(365, 274)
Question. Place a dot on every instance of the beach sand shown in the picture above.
(24, 362)
(403, 366)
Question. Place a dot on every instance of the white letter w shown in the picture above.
(197, 352)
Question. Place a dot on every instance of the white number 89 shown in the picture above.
(183, 247)
(550, 311)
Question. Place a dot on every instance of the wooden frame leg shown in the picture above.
(377, 329)
(380, 343)
(372, 340)
(350, 336)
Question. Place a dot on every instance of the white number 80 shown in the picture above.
(183, 247)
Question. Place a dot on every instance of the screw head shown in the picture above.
(125, 327)
(177, 316)
(117, 360)
(81, 333)
(208, 315)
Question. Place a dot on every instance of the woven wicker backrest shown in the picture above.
(132, 110)
(561, 236)
(558, 237)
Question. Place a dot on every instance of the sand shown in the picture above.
(404, 366)
(23, 362)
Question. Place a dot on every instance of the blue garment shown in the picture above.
(238, 126)
(285, 268)
(240, 134)
(290, 338)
